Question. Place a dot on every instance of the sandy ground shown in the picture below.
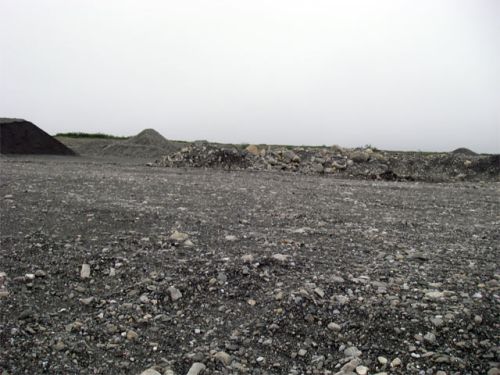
(266, 272)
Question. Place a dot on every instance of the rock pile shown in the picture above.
(208, 156)
(358, 163)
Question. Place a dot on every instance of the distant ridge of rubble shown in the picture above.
(366, 163)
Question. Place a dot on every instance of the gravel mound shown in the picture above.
(19, 136)
(365, 163)
(149, 137)
(148, 144)
(464, 151)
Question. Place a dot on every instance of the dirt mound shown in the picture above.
(463, 151)
(23, 137)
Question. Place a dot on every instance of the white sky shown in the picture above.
(397, 74)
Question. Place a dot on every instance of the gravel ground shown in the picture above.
(115, 268)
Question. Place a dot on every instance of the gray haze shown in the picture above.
(397, 74)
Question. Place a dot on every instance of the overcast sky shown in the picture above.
(397, 74)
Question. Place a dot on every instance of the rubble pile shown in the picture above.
(365, 163)
(208, 156)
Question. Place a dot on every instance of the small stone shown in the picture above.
(150, 371)
(260, 359)
(223, 358)
(87, 301)
(279, 296)
(478, 319)
(247, 258)
(253, 149)
(362, 370)
(360, 156)
(396, 362)
(188, 244)
(40, 273)
(29, 276)
(60, 345)
(352, 351)
(111, 328)
(196, 368)
(318, 168)
(334, 327)
(178, 236)
(338, 165)
(175, 293)
(319, 292)
(350, 366)
(382, 360)
(231, 238)
(434, 294)
(85, 271)
(132, 335)
(437, 321)
(222, 278)
(430, 337)
(494, 371)
(440, 373)
(252, 302)
(302, 352)
(280, 257)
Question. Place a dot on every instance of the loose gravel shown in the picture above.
(123, 269)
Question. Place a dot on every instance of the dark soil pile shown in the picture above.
(336, 161)
(18, 136)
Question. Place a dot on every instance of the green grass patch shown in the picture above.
(89, 135)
